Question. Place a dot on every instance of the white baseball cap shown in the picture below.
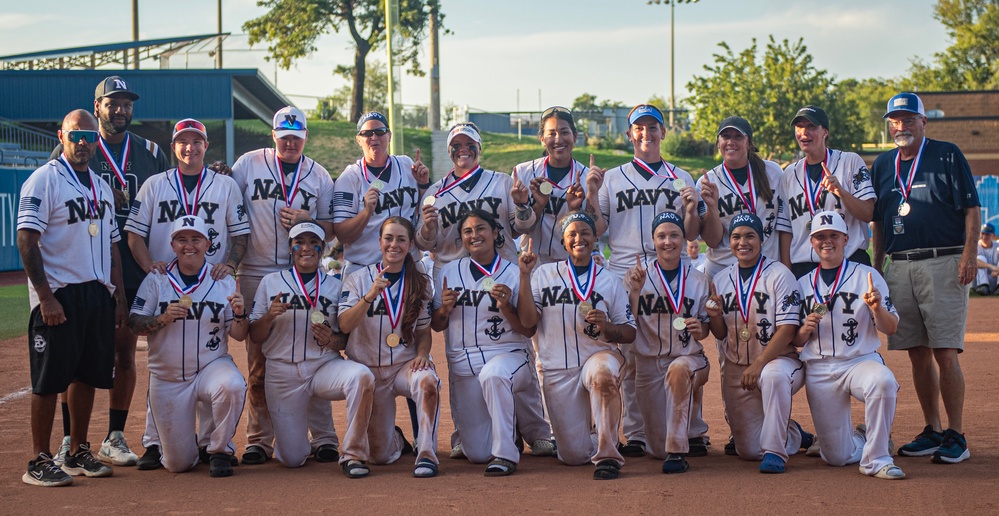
(828, 220)
(466, 129)
(190, 223)
(289, 121)
(307, 227)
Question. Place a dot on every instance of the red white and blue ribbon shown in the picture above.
(572, 175)
(670, 174)
(178, 286)
(493, 267)
(675, 298)
(582, 291)
(749, 202)
(813, 190)
(305, 291)
(746, 291)
(118, 168)
(92, 204)
(393, 304)
(182, 192)
(905, 186)
(447, 187)
(296, 179)
(833, 289)
(368, 176)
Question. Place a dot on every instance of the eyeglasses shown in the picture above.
(189, 124)
(553, 110)
(905, 122)
(368, 133)
(77, 135)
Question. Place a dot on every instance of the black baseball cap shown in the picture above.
(813, 114)
(738, 123)
(112, 85)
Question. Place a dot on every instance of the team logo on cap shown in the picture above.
(825, 220)
(119, 83)
(290, 120)
(187, 222)
(742, 217)
(900, 102)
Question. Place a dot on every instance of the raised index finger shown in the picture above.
(417, 155)
(870, 282)
(592, 162)
(237, 284)
(445, 282)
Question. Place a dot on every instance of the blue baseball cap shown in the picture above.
(988, 229)
(373, 115)
(905, 102)
(645, 110)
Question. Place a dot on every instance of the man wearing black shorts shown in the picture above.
(66, 232)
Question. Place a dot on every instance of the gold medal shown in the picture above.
(545, 188)
(378, 184)
(904, 209)
(124, 191)
(745, 334)
(679, 184)
(679, 324)
(392, 340)
(429, 200)
(820, 308)
(93, 229)
(186, 301)
(808, 226)
(585, 307)
(488, 284)
(317, 317)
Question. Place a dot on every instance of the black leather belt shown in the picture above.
(912, 256)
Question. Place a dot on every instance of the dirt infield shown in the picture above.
(714, 484)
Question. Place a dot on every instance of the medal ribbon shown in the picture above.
(118, 169)
(182, 192)
(305, 292)
(464, 178)
(178, 286)
(394, 306)
(904, 187)
(675, 298)
(296, 179)
(92, 204)
(492, 268)
(813, 191)
(745, 297)
(364, 169)
(584, 291)
(833, 289)
(749, 202)
(645, 166)
(572, 174)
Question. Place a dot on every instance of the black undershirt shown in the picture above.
(84, 177)
(190, 182)
(746, 272)
(829, 275)
(288, 168)
(556, 174)
(188, 279)
(740, 174)
(392, 276)
(307, 276)
(814, 171)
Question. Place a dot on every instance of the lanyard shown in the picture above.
(493, 267)
(296, 179)
(906, 186)
(813, 191)
(178, 286)
(749, 202)
(118, 168)
(305, 292)
(670, 174)
(675, 298)
(182, 192)
(745, 297)
(92, 204)
(834, 288)
(446, 187)
(582, 291)
(572, 174)
(393, 304)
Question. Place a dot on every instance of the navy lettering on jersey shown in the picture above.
(468, 297)
(172, 210)
(554, 206)
(628, 199)
(760, 299)
(559, 295)
(397, 199)
(299, 302)
(198, 308)
(451, 213)
(799, 206)
(730, 204)
(79, 211)
(265, 189)
(650, 304)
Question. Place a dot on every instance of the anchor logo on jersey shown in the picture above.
(494, 332)
(684, 337)
(215, 341)
(888, 304)
(862, 175)
(240, 211)
(794, 299)
(763, 336)
(768, 229)
(850, 337)
(212, 249)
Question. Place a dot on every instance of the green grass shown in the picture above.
(14, 311)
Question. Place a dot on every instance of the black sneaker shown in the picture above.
(221, 465)
(150, 460)
(83, 463)
(255, 455)
(43, 472)
(327, 453)
(632, 449)
(953, 449)
(926, 443)
(697, 447)
(730, 447)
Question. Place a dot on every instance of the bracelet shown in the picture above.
(365, 298)
(423, 186)
(244, 316)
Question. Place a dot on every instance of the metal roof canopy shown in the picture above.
(95, 56)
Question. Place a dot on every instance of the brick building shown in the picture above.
(969, 119)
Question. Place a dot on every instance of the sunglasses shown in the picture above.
(189, 124)
(290, 123)
(555, 109)
(368, 133)
(76, 136)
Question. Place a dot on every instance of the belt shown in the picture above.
(912, 256)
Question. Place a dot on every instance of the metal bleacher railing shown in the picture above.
(24, 146)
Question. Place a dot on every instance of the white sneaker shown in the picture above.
(60, 457)
(456, 452)
(543, 448)
(114, 450)
(814, 450)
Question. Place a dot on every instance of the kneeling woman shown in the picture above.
(385, 309)
(188, 317)
(581, 311)
(294, 316)
(494, 387)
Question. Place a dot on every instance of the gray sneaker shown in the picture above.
(83, 463)
(43, 472)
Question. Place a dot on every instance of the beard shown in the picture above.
(108, 126)
(904, 140)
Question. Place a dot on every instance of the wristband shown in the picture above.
(244, 316)
(423, 186)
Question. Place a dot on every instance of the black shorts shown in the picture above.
(80, 349)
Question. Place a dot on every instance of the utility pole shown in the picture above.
(218, 30)
(135, 33)
(434, 112)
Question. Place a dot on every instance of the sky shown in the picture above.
(521, 54)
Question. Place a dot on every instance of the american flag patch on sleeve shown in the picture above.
(343, 199)
(29, 203)
(135, 207)
(138, 303)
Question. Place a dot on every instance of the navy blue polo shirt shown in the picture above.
(942, 189)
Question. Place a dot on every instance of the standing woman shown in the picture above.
(754, 315)
(667, 298)
(582, 312)
(742, 183)
(294, 317)
(494, 389)
(385, 311)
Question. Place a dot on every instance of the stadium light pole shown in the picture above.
(672, 53)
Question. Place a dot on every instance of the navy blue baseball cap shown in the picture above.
(645, 110)
(813, 114)
(670, 217)
(738, 123)
(373, 115)
(905, 102)
(988, 229)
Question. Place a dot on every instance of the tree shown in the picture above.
(971, 62)
(767, 92)
(291, 27)
(375, 93)
(585, 102)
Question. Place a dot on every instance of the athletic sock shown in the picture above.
(65, 419)
(116, 420)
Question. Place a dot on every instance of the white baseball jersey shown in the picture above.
(629, 199)
(399, 198)
(794, 217)
(178, 351)
(259, 180)
(291, 338)
(989, 255)
(477, 330)
(565, 339)
(731, 203)
(488, 191)
(546, 233)
(161, 200)
(56, 204)
(775, 303)
(848, 329)
(655, 315)
(367, 344)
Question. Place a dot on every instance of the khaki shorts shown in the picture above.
(932, 304)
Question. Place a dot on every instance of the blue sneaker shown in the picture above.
(807, 439)
(954, 449)
(924, 444)
(771, 464)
